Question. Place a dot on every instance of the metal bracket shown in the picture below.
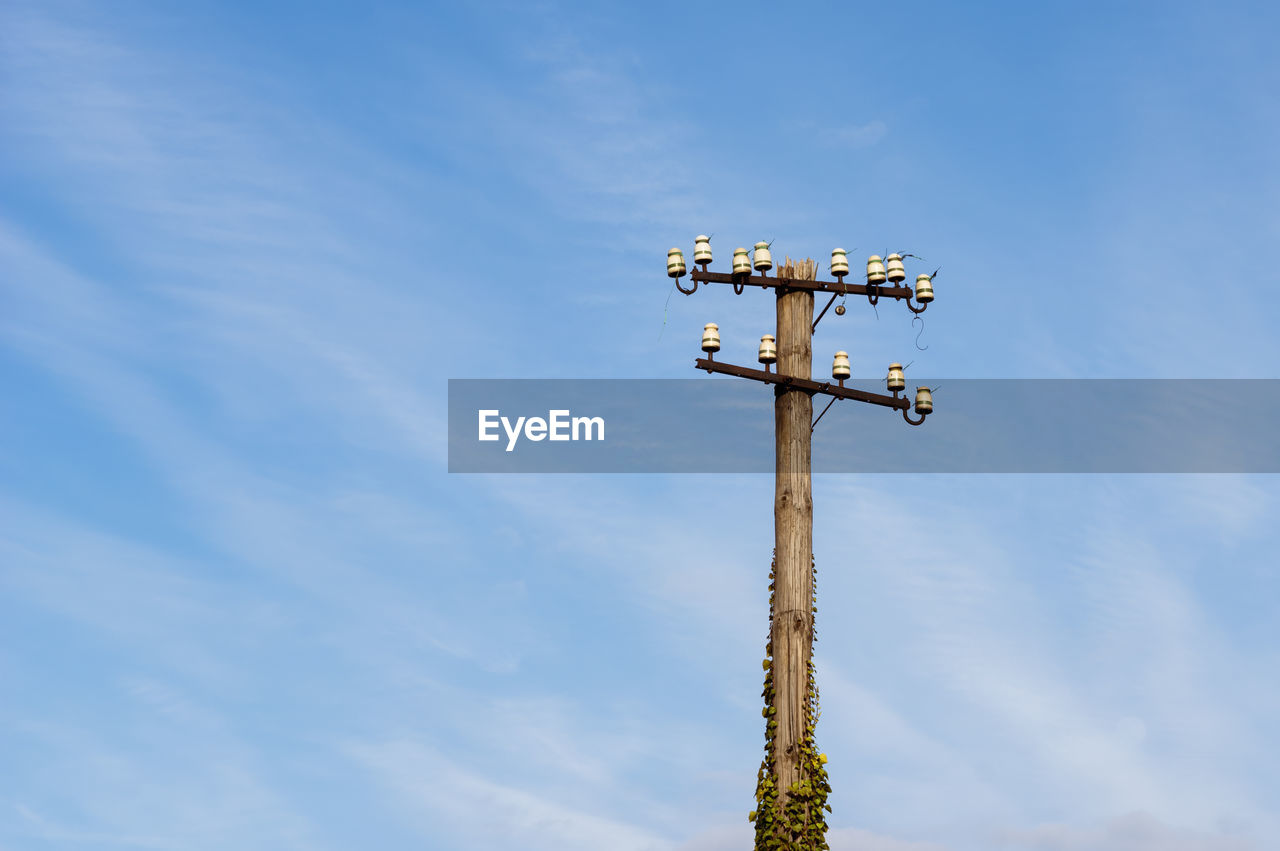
(824, 410)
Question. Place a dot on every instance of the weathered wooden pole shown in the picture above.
(792, 786)
(792, 631)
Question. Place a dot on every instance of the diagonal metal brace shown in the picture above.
(824, 410)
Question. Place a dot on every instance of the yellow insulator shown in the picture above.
(711, 337)
(875, 269)
(840, 366)
(896, 380)
(924, 401)
(675, 263)
(741, 262)
(924, 289)
(768, 349)
(897, 272)
(702, 250)
(763, 260)
(839, 262)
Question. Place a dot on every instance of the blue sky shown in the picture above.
(243, 246)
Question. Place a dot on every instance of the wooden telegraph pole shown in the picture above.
(791, 793)
(791, 634)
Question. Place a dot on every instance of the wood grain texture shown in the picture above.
(792, 635)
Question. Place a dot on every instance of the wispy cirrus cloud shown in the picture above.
(1130, 832)
(493, 814)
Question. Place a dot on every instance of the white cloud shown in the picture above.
(1132, 832)
(489, 813)
(859, 136)
(852, 839)
(840, 839)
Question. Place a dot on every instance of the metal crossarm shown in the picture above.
(808, 385)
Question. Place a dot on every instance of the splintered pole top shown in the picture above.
(800, 270)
